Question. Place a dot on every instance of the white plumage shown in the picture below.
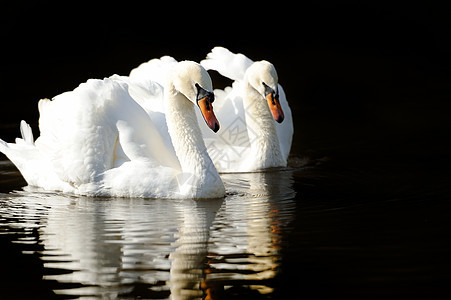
(122, 136)
(249, 139)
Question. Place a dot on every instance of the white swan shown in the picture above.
(97, 140)
(250, 139)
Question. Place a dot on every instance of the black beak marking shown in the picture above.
(202, 93)
(269, 90)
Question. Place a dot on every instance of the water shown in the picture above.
(317, 229)
(109, 248)
(362, 212)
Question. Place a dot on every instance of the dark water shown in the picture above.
(319, 229)
(362, 212)
(186, 249)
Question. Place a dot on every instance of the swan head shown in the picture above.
(262, 76)
(192, 80)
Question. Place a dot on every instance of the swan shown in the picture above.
(97, 140)
(257, 126)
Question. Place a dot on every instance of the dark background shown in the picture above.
(369, 88)
(350, 70)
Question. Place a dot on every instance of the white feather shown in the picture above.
(231, 148)
(228, 64)
(98, 140)
(26, 133)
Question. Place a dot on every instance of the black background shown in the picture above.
(369, 87)
(349, 70)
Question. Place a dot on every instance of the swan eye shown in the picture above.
(268, 90)
(202, 93)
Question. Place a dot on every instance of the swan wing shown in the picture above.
(146, 87)
(234, 66)
(74, 136)
(228, 64)
(231, 143)
(149, 95)
(95, 128)
(154, 70)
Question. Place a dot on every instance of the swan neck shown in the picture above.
(198, 169)
(185, 132)
(261, 128)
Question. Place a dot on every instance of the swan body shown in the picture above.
(107, 138)
(257, 125)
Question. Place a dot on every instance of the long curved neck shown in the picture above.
(199, 175)
(261, 129)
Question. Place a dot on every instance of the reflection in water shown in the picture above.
(183, 249)
(246, 234)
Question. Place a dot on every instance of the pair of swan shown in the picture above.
(140, 136)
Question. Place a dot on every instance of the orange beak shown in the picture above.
(274, 106)
(206, 109)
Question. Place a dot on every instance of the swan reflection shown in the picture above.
(182, 249)
(246, 235)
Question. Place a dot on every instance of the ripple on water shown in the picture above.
(155, 248)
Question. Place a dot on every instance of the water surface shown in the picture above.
(349, 224)
(150, 248)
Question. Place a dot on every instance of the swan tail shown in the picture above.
(3, 146)
(8, 150)
(21, 145)
(228, 64)
(27, 133)
(23, 152)
(27, 140)
(30, 161)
